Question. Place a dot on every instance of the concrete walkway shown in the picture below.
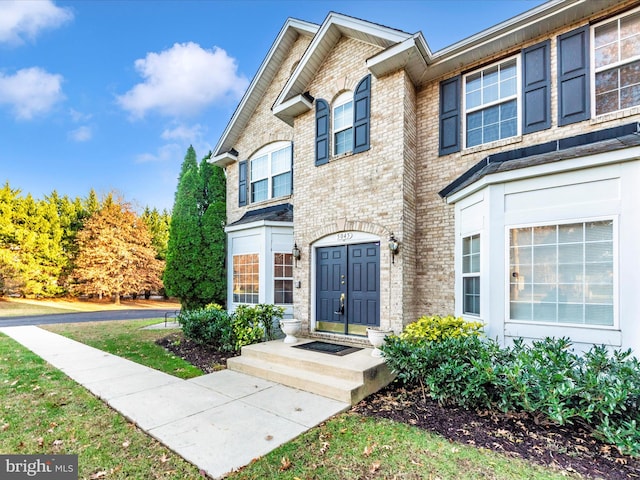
(219, 422)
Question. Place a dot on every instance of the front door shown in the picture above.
(348, 288)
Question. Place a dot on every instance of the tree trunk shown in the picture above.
(117, 298)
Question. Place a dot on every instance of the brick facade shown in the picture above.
(392, 187)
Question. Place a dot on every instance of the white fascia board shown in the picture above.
(409, 55)
(300, 27)
(293, 107)
(257, 224)
(341, 23)
(552, 168)
(224, 159)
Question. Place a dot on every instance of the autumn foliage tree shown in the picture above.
(115, 254)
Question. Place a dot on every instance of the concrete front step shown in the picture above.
(348, 378)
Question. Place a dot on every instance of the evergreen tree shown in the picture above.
(158, 224)
(195, 254)
(115, 255)
(214, 218)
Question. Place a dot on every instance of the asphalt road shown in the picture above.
(104, 316)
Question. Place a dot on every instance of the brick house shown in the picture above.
(504, 168)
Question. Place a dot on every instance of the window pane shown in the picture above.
(282, 185)
(344, 141)
(571, 277)
(246, 278)
(343, 116)
(471, 294)
(474, 99)
(281, 161)
(630, 96)
(606, 34)
(259, 190)
(599, 314)
(570, 233)
(520, 311)
(259, 168)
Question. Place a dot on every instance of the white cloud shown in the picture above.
(166, 153)
(78, 116)
(21, 19)
(182, 81)
(186, 133)
(31, 91)
(81, 134)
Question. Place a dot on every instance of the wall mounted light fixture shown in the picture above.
(296, 252)
(394, 246)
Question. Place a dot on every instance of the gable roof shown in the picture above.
(334, 27)
(401, 51)
(288, 34)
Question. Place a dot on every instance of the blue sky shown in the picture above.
(109, 94)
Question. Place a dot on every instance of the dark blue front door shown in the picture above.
(348, 288)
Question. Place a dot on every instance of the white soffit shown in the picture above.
(289, 33)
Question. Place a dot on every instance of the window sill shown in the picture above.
(270, 201)
(596, 334)
(607, 117)
(488, 146)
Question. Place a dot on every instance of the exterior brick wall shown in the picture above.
(435, 229)
(262, 129)
(392, 187)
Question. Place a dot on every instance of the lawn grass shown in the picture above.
(16, 308)
(347, 447)
(42, 411)
(127, 339)
(351, 447)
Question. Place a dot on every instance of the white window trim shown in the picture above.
(464, 275)
(233, 256)
(616, 262)
(268, 151)
(518, 98)
(274, 278)
(342, 99)
(592, 63)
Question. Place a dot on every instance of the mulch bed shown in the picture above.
(568, 448)
(205, 358)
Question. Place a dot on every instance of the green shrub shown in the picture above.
(546, 378)
(436, 328)
(210, 325)
(247, 327)
(267, 315)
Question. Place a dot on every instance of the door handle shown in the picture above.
(341, 311)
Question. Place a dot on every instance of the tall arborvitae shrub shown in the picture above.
(196, 249)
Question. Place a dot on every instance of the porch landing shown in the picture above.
(348, 378)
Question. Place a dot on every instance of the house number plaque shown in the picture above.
(344, 236)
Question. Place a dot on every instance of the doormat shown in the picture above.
(330, 348)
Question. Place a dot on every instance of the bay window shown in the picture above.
(246, 278)
(562, 273)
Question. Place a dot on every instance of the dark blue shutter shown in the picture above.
(573, 76)
(361, 114)
(242, 183)
(450, 116)
(322, 132)
(536, 88)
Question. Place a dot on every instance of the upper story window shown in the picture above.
(270, 172)
(343, 123)
(491, 103)
(616, 60)
(345, 127)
